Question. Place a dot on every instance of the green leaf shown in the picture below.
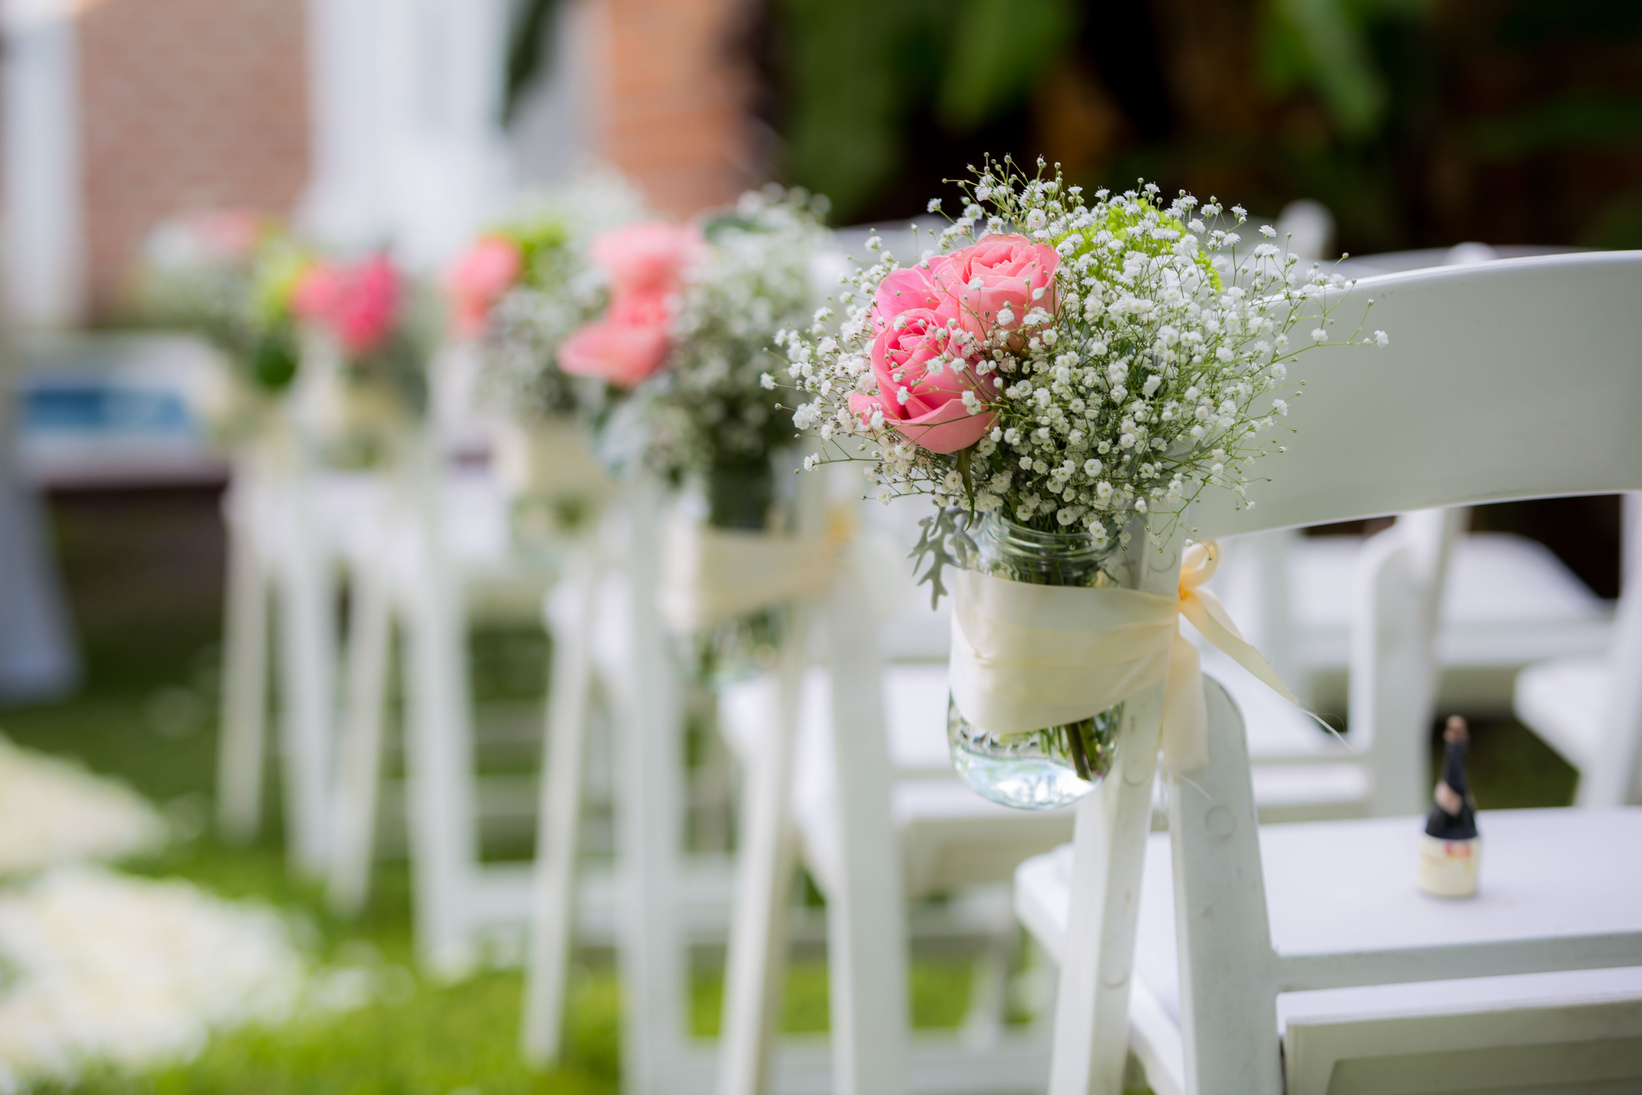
(1001, 47)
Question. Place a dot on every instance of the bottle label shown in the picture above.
(1448, 868)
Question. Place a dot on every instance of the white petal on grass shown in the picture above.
(133, 972)
(53, 811)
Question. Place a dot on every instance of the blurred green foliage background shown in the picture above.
(1418, 122)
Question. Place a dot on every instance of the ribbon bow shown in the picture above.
(1028, 656)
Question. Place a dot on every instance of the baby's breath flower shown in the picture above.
(1151, 364)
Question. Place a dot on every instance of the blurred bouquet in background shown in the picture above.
(230, 276)
(692, 316)
(527, 284)
(523, 288)
(370, 332)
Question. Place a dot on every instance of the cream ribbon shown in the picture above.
(709, 575)
(1029, 656)
(553, 459)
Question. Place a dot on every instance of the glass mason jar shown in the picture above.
(739, 496)
(551, 480)
(1053, 765)
(362, 418)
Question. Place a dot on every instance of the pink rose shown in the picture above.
(933, 414)
(647, 256)
(315, 292)
(627, 346)
(912, 287)
(358, 305)
(998, 280)
(489, 269)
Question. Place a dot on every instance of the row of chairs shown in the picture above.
(845, 744)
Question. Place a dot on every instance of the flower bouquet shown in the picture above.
(517, 293)
(1062, 374)
(369, 340)
(692, 314)
(229, 275)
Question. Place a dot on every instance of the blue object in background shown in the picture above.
(114, 410)
(101, 404)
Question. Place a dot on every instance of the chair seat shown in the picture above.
(915, 700)
(1339, 892)
(366, 520)
(1562, 702)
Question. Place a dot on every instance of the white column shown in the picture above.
(455, 142)
(44, 221)
(405, 112)
(347, 141)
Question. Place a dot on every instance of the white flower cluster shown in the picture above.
(53, 811)
(105, 968)
(714, 406)
(558, 293)
(1149, 368)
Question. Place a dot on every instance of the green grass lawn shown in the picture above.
(144, 572)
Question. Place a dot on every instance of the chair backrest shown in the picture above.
(1397, 594)
(1514, 379)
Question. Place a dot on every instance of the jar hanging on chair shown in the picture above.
(739, 497)
(1053, 765)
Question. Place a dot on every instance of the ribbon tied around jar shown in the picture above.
(710, 575)
(1025, 656)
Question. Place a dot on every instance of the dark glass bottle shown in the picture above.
(1453, 810)
(1451, 850)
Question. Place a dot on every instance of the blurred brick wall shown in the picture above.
(187, 104)
(673, 108)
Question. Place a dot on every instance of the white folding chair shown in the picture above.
(1590, 710)
(1312, 937)
(279, 547)
(1379, 766)
(439, 561)
(952, 841)
(1508, 602)
(881, 820)
(661, 898)
(1343, 917)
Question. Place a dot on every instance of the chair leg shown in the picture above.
(307, 650)
(866, 916)
(1228, 998)
(650, 758)
(989, 987)
(1091, 1034)
(360, 750)
(244, 689)
(443, 830)
(559, 817)
(755, 968)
